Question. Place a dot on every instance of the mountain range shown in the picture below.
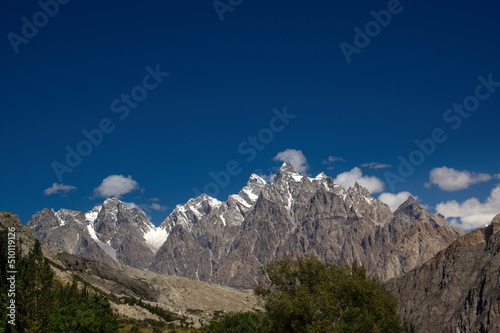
(228, 242)
(445, 280)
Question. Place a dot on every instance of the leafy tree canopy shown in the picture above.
(307, 295)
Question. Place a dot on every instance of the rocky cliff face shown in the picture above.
(228, 242)
(458, 290)
(297, 215)
(111, 233)
(67, 230)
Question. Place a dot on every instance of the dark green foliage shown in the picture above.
(311, 297)
(81, 312)
(46, 306)
(36, 297)
(248, 322)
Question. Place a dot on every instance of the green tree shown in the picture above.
(311, 297)
(36, 300)
(44, 305)
(247, 322)
(87, 314)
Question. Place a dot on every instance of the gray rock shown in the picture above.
(297, 215)
(111, 233)
(458, 289)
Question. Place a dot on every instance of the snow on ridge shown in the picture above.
(248, 192)
(61, 221)
(105, 247)
(241, 200)
(195, 210)
(213, 202)
(320, 176)
(258, 178)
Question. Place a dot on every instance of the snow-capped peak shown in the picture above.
(287, 167)
(254, 178)
(250, 193)
(287, 172)
(112, 201)
(321, 176)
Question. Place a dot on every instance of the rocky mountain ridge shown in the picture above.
(458, 290)
(227, 242)
(196, 300)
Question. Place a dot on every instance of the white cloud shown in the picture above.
(296, 157)
(146, 208)
(132, 205)
(497, 176)
(375, 165)
(348, 178)
(158, 207)
(56, 188)
(449, 179)
(471, 213)
(333, 159)
(394, 200)
(115, 186)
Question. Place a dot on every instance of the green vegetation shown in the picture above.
(248, 322)
(81, 312)
(44, 305)
(307, 296)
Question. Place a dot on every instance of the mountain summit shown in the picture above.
(227, 242)
(113, 233)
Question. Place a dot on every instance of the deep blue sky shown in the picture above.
(225, 79)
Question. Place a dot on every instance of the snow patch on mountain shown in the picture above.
(92, 215)
(106, 247)
(155, 237)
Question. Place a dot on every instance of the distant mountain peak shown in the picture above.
(411, 210)
(322, 175)
(357, 188)
(256, 179)
(112, 201)
(204, 198)
(288, 167)
(410, 206)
